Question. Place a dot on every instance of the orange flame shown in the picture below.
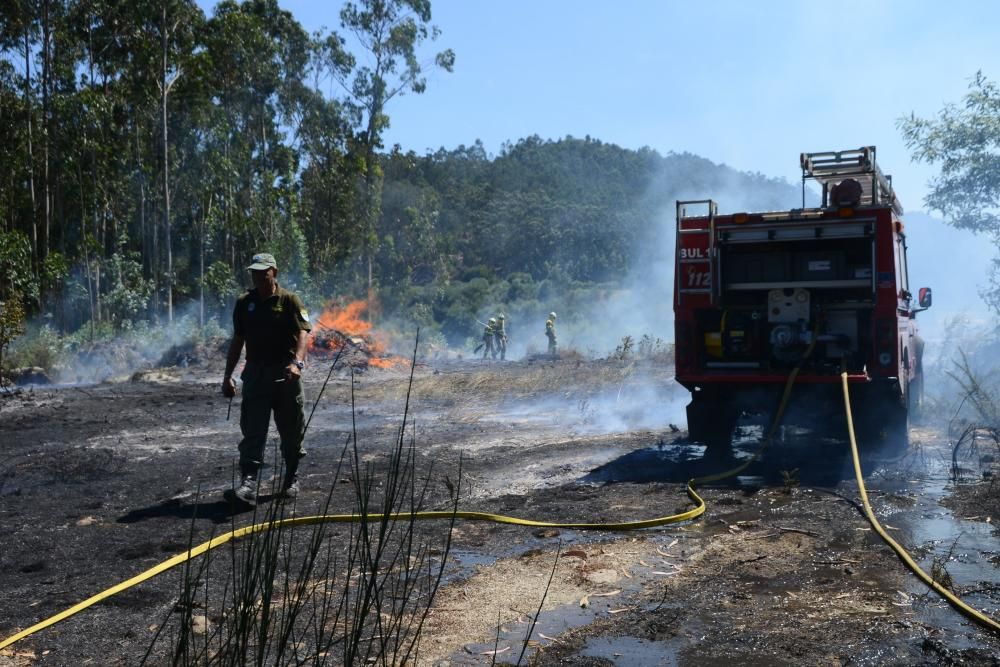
(345, 320)
(338, 326)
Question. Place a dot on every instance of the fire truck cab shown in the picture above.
(824, 289)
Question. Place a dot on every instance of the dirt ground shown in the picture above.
(100, 482)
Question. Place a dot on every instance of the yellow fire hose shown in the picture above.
(955, 601)
(693, 513)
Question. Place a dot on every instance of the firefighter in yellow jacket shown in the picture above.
(488, 338)
(550, 332)
(500, 338)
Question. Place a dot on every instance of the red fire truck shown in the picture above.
(824, 288)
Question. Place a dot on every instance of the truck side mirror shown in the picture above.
(924, 298)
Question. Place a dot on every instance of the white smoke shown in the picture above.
(644, 304)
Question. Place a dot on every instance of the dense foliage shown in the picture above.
(147, 133)
(148, 149)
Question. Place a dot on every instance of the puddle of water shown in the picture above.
(512, 635)
(751, 481)
(470, 559)
(630, 651)
(462, 564)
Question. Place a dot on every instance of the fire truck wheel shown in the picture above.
(719, 442)
(711, 421)
(891, 426)
(698, 420)
(880, 422)
(896, 437)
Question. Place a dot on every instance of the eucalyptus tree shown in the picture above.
(329, 171)
(90, 185)
(11, 162)
(48, 12)
(177, 21)
(19, 34)
(389, 34)
(417, 247)
(38, 80)
(965, 141)
(256, 60)
(15, 99)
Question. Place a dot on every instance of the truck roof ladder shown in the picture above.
(713, 211)
(831, 168)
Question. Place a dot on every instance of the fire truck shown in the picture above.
(823, 289)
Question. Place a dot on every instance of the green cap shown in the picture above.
(263, 261)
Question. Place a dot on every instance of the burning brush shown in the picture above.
(341, 328)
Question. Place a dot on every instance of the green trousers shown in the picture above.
(265, 391)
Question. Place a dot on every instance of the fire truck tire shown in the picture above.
(711, 420)
(698, 419)
(881, 420)
(719, 440)
(893, 425)
(896, 434)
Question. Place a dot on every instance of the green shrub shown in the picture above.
(39, 346)
(15, 267)
(11, 323)
(130, 293)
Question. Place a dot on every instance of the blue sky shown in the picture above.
(748, 84)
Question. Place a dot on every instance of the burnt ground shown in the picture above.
(100, 482)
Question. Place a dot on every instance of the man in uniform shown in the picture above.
(500, 338)
(274, 325)
(550, 332)
(488, 338)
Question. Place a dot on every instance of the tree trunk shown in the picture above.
(166, 172)
(95, 285)
(47, 125)
(57, 215)
(201, 262)
(31, 155)
(143, 234)
(201, 277)
(227, 243)
(372, 193)
(86, 254)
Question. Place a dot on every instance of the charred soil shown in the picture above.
(103, 481)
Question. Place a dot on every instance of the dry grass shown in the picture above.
(521, 380)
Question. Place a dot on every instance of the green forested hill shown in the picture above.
(578, 208)
(545, 222)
